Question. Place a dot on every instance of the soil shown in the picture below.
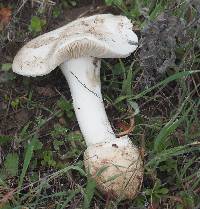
(45, 90)
(26, 100)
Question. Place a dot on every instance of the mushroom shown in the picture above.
(77, 47)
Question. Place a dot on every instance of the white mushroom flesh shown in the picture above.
(83, 77)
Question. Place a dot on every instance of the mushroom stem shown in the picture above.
(83, 76)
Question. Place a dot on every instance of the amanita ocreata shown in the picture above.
(77, 49)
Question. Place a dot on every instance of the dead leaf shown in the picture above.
(8, 196)
(5, 16)
(62, 121)
(180, 136)
(142, 148)
(153, 206)
(175, 199)
(1, 155)
(126, 128)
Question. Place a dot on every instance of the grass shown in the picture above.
(41, 147)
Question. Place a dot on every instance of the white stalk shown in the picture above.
(83, 76)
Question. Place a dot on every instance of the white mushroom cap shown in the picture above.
(116, 166)
(101, 36)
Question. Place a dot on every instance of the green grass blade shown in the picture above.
(27, 160)
(69, 198)
(5, 139)
(160, 84)
(172, 152)
(166, 81)
(89, 193)
(169, 128)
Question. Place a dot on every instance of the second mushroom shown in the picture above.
(114, 163)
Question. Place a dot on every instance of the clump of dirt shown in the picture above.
(159, 40)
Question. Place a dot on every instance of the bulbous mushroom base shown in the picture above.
(116, 166)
